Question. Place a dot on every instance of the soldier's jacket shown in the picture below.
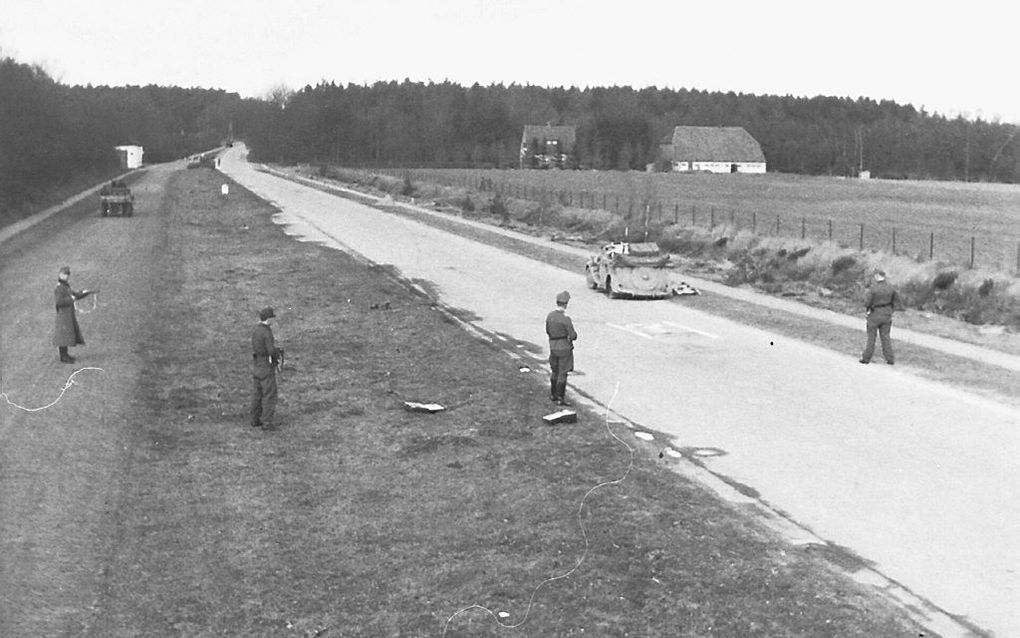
(263, 349)
(882, 299)
(560, 329)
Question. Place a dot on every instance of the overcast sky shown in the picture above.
(950, 58)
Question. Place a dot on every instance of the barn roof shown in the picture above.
(564, 133)
(713, 144)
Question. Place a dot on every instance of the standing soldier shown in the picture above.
(561, 333)
(66, 332)
(879, 304)
(265, 357)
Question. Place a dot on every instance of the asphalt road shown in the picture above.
(917, 478)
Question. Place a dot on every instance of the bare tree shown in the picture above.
(280, 95)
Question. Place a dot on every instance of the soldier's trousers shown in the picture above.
(879, 326)
(263, 399)
(560, 363)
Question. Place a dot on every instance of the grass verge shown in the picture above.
(359, 518)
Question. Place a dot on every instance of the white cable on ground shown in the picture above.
(584, 533)
(70, 382)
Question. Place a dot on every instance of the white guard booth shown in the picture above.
(130, 156)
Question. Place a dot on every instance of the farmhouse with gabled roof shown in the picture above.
(715, 149)
(547, 146)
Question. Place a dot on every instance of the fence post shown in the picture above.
(803, 227)
(777, 225)
(754, 222)
(830, 230)
(733, 220)
(694, 220)
(861, 243)
(1018, 257)
(676, 214)
(972, 253)
(711, 218)
(931, 247)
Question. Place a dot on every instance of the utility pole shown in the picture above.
(860, 150)
(966, 156)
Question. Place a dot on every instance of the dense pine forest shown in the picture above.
(447, 125)
(51, 133)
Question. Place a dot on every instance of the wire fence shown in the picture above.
(972, 250)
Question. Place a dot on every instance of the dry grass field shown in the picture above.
(954, 211)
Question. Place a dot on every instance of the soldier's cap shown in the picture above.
(66, 269)
(266, 313)
(563, 298)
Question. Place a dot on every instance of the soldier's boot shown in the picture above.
(64, 357)
(552, 389)
(561, 391)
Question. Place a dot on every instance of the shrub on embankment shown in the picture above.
(776, 265)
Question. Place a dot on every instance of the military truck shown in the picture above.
(115, 198)
(623, 269)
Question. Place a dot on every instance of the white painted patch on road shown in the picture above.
(660, 329)
(677, 326)
(630, 330)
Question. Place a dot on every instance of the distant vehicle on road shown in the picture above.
(623, 269)
(115, 198)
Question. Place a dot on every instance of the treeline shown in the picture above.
(51, 134)
(448, 125)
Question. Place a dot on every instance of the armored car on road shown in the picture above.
(624, 269)
(115, 198)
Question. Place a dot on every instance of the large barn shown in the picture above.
(547, 146)
(714, 149)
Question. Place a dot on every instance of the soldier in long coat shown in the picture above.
(66, 331)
